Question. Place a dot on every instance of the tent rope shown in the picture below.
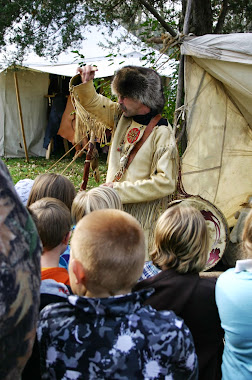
(169, 41)
(74, 158)
(67, 153)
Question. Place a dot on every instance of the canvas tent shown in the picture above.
(217, 163)
(33, 83)
(32, 87)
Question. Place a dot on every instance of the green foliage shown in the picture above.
(80, 58)
(170, 94)
(50, 26)
(103, 87)
(238, 17)
(20, 169)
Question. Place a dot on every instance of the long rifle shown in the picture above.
(87, 161)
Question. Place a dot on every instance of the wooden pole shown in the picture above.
(181, 66)
(187, 16)
(20, 116)
(180, 88)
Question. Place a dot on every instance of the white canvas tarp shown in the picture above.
(217, 164)
(33, 86)
(106, 65)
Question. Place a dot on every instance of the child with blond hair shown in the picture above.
(103, 331)
(181, 251)
(98, 198)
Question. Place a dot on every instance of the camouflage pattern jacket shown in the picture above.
(114, 338)
(20, 250)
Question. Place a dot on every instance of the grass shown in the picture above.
(20, 169)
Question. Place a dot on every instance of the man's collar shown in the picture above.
(145, 119)
(243, 265)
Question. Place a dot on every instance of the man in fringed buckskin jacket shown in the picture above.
(146, 184)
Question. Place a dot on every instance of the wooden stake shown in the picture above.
(20, 116)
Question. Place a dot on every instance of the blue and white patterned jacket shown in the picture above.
(114, 338)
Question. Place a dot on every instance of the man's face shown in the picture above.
(132, 107)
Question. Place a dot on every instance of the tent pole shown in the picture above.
(20, 116)
(180, 87)
(181, 64)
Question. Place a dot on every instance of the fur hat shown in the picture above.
(140, 83)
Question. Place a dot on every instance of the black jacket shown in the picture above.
(193, 299)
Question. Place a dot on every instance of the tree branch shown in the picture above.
(222, 16)
(159, 18)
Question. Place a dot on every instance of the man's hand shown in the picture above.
(108, 184)
(87, 73)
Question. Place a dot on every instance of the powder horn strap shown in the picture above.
(137, 146)
(146, 134)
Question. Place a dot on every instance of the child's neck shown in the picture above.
(105, 294)
(50, 258)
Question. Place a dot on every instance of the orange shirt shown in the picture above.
(58, 274)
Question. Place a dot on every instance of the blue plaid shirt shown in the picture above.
(149, 270)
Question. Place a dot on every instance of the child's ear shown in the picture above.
(78, 271)
(66, 238)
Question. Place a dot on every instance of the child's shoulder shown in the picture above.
(165, 320)
(56, 310)
(167, 329)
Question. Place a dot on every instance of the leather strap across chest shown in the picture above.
(146, 134)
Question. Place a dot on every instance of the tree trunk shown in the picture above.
(201, 17)
(222, 15)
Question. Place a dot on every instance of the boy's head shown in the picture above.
(181, 240)
(52, 185)
(107, 254)
(53, 221)
(95, 199)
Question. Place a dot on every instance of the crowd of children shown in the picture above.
(113, 335)
(98, 318)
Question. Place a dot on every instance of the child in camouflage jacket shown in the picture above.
(103, 331)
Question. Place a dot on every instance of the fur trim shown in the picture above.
(147, 214)
(140, 83)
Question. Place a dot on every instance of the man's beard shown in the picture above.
(123, 108)
(125, 111)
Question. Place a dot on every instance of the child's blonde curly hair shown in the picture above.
(181, 240)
